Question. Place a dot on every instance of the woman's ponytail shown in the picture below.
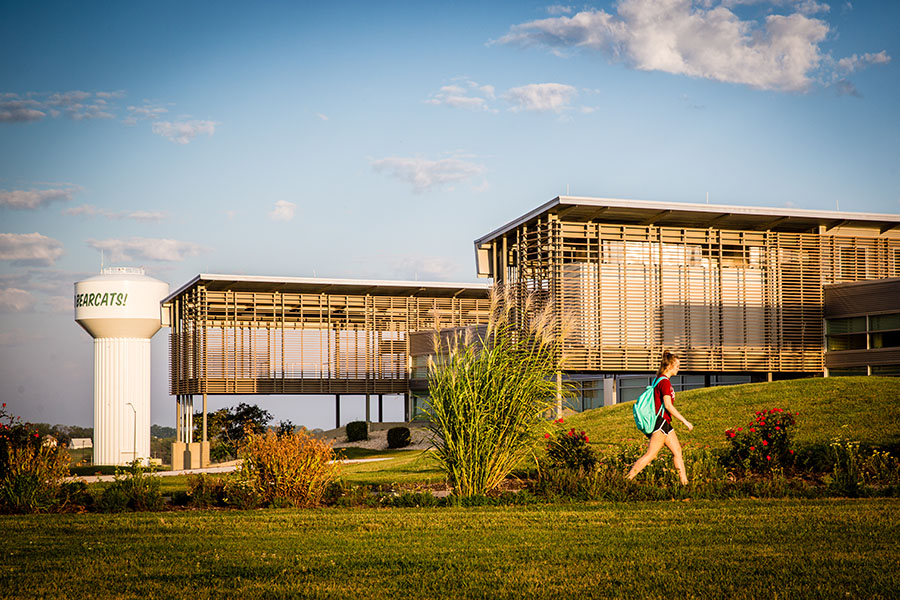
(668, 359)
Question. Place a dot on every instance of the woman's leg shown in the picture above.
(656, 442)
(675, 446)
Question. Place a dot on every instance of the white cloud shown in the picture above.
(558, 9)
(152, 249)
(322, 117)
(147, 111)
(183, 132)
(13, 110)
(541, 97)
(425, 174)
(89, 210)
(704, 39)
(854, 62)
(15, 300)
(33, 199)
(466, 94)
(283, 211)
(29, 248)
(60, 304)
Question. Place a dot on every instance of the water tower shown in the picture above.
(120, 308)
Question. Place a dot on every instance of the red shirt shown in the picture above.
(663, 388)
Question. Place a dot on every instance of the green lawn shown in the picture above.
(868, 406)
(715, 549)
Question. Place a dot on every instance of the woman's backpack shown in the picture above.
(645, 413)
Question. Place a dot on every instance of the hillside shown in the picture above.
(868, 406)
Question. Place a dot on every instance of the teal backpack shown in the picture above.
(645, 413)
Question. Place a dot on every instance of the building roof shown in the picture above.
(679, 214)
(314, 285)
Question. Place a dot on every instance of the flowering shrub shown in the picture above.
(30, 473)
(570, 450)
(289, 470)
(764, 443)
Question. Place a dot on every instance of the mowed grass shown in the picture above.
(706, 549)
(867, 406)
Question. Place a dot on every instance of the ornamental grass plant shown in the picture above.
(287, 470)
(491, 394)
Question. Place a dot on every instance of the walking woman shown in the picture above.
(663, 433)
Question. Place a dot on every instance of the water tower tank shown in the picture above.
(120, 308)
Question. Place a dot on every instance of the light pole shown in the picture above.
(134, 437)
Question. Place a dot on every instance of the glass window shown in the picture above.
(882, 322)
(857, 341)
(886, 370)
(728, 379)
(631, 387)
(886, 339)
(591, 394)
(848, 325)
(848, 372)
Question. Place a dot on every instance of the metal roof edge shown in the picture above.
(321, 280)
(686, 206)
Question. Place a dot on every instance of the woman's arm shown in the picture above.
(667, 401)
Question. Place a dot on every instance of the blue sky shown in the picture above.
(245, 138)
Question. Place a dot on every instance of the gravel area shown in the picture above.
(378, 440)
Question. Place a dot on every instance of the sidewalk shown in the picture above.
(219, 468)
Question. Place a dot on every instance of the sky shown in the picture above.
(378, 140)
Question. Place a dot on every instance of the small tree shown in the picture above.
(228, 427)
(491, 394)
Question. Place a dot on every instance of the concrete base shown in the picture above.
(190, 456)
(178, 449)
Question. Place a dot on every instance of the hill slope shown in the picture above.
(868, 406)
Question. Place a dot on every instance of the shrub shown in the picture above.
(30, 473)
(357, 431)
(398, 437)
(490, 394)
(570, 450)
(135, 488)
(241, 493)
(763, 445)
(294, 469)
(205, 490)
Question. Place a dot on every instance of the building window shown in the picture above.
(631, 387)
(886, 370)
(854, 372)
(846, 334)
(884, 322)
(886, 339)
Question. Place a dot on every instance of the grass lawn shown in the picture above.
(866, 405)
(707, 549)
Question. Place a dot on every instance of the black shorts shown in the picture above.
(661, 425)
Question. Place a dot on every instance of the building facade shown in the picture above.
(737, 292)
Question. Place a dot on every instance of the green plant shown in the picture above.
(490, 394)
(398, 437)
(134, 488)
(241, 493)
(763, 445)
(295, 469)
(228, 428)
(206, 490)
(570, 450)
(31, 473)
(357, 431)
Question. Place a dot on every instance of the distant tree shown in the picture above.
(158, 431)
(227, 428)
(285, 427)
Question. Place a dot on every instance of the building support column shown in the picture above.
(368, 416)
(381, 408)
(337, 411)
(406, 408)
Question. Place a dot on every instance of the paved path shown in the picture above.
(223, 468)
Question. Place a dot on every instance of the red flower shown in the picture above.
(740, 428)
(586, 439)
(752, 430)
(791, 451)
(765, 443)
(763, 423)
(752, 448)
(546, 435)
(768, 457)
(797, 413)
(777, 428)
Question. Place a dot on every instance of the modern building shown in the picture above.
(738, 292)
